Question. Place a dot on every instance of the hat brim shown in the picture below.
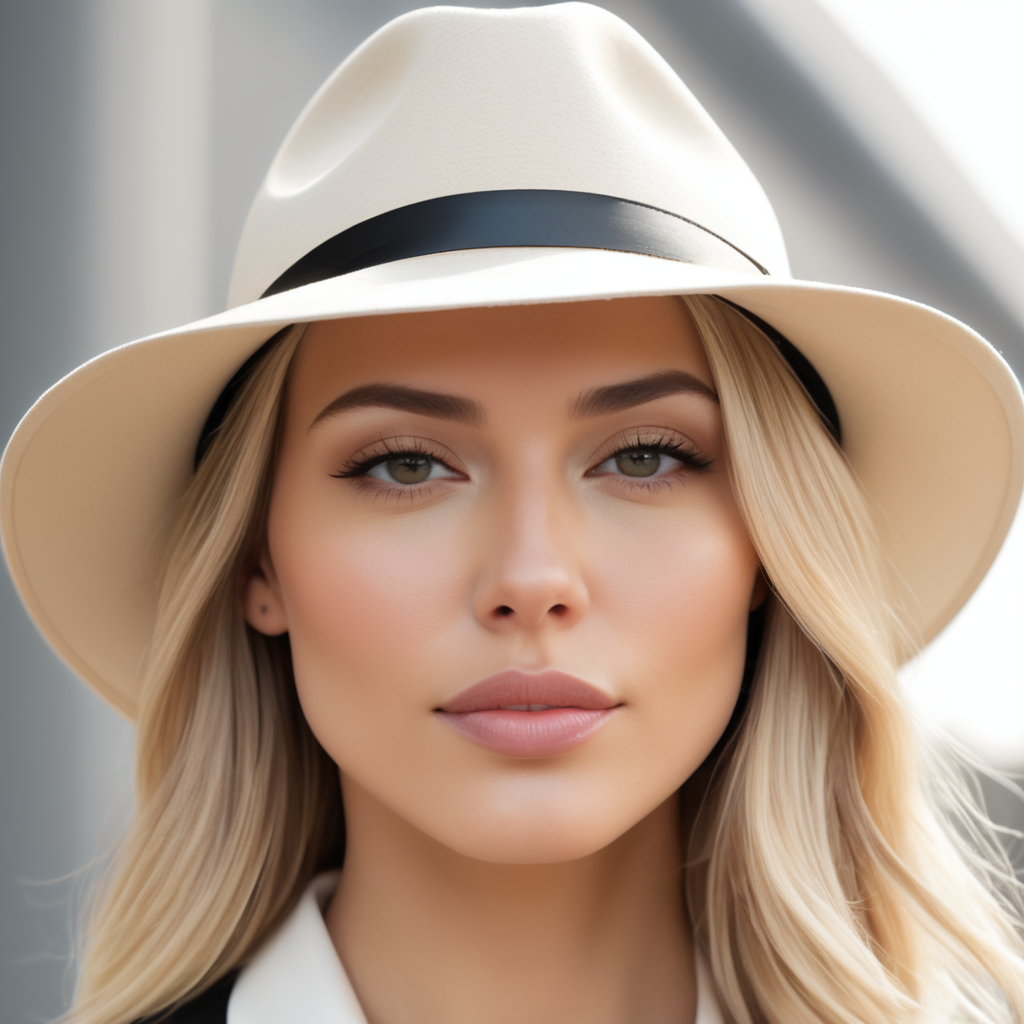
(932, 418)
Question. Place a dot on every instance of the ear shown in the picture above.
(762, 588)
(261, 599)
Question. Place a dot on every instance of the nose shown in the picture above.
(531, 577)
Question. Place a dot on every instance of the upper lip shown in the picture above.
(514, 689)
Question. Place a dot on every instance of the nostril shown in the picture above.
(503, 610)
(558, 609)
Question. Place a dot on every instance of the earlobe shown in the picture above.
(261, 601)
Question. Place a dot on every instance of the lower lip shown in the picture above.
(528, 733)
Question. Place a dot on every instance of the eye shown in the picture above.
(398, 464)
(409, 468)
(640, 462)
(643, 462)
(648, 456)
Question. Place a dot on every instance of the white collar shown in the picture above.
(297, 976)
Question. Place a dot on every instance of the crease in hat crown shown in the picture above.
(564, 97)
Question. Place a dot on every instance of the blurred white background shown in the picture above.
(959, 67)
(888, 133)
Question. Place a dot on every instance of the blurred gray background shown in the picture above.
(135, 133)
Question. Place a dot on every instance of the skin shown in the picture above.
(479, 887)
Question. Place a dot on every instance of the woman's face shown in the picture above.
(516, 582)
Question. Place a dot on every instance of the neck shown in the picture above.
(430, 935)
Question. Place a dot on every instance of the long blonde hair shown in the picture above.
(829, 877)
(827, 882)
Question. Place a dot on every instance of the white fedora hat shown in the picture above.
(465, 157)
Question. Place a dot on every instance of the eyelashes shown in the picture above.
(643, 455)
(406, 462)
(642, 458)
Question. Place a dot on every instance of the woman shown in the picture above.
(594, 607)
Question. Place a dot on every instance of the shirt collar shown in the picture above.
(296, 975)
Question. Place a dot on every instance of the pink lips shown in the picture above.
(529, 714)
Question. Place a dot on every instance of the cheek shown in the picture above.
(366, 602)
(675, 596)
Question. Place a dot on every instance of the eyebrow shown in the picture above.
(616, 397)
(398, 396)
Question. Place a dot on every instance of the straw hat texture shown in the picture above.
(465, 157)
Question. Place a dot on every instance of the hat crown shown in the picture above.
(448, 100)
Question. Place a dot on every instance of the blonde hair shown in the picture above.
(829, 878)
(826, 881)
(237, 803)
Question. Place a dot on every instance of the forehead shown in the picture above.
(573, 344)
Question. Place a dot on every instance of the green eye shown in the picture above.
(638, 462)
(408, 469)
(405, 468)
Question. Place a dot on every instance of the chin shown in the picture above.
(533, 844)
(538, 827)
